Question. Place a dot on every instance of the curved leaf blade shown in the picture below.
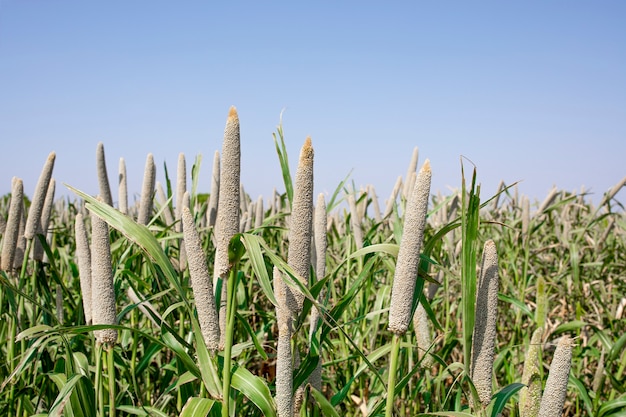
(255, 389)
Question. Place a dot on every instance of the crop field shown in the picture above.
(347, 304)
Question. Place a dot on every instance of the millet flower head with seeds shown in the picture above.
(284, 358)
(421, 325)
(11, 232)
(321, 245)
(530, 395)
(102, 290)
(36, 207)
(215, 189)
(103, 176)
(147, 191)
(44, 220)
(484, 337)
(201, 282)
(20, 248)
(301, 222)
(555, 391)
(83, 254)
(355, 221)
(123, 188)
(227, 222)
(410, 171)
(393, 197)
(181, 188)
(409, 254)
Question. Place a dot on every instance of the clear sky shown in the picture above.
(531, 91)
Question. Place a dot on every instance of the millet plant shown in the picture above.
(239, 305)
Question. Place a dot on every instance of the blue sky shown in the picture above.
(530, 91)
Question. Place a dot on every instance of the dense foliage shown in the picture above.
(562, 266)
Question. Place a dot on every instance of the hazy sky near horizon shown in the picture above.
(530, 91)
